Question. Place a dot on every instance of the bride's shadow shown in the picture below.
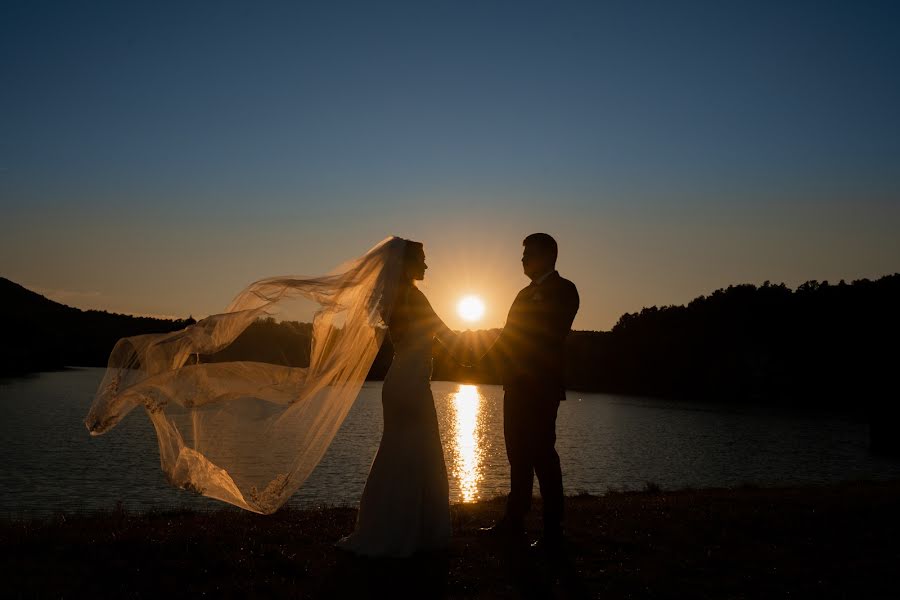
(421, 576)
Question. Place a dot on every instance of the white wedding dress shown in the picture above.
(249, 432)
(405, 505)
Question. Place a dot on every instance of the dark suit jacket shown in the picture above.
(531, 346)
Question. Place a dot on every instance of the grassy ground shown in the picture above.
(834, 541)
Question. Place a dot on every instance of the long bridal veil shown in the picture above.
(249, 432)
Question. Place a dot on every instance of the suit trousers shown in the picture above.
(529, 427)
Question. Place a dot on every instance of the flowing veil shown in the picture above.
(244, 431)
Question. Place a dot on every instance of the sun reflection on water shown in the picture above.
(466, 403)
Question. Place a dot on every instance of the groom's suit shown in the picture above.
(530, 351)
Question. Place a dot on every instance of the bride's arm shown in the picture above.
(448, 338)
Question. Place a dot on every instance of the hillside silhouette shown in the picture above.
(817, 343)
(40, 334)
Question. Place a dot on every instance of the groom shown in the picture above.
(530, 354)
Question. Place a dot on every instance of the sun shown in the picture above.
(470, 308)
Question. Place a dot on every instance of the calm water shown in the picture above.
(50, 463)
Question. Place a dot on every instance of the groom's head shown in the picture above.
(539, 255)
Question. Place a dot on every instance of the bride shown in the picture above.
(250, 432)
(405, 505)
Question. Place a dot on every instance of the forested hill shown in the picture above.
(818, 343)
(40, 334)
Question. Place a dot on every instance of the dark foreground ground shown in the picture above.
(835, 541)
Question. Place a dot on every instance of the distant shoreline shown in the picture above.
(832, 540)
(764, 344)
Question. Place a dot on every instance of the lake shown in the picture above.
(51, 463)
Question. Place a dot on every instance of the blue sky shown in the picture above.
(156, 157)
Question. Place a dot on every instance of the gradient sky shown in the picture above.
(157, 157)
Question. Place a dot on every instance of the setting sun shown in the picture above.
(470, 308)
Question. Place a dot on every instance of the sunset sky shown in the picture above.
(157, 157)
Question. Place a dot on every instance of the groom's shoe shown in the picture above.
(504, 529)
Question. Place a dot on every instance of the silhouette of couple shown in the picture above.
(250, 432)
(405, 503)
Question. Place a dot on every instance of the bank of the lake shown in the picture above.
(817, 541)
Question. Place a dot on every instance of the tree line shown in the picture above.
(819, 342)
(40, 334)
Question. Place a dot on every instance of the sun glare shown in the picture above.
(470, 308)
